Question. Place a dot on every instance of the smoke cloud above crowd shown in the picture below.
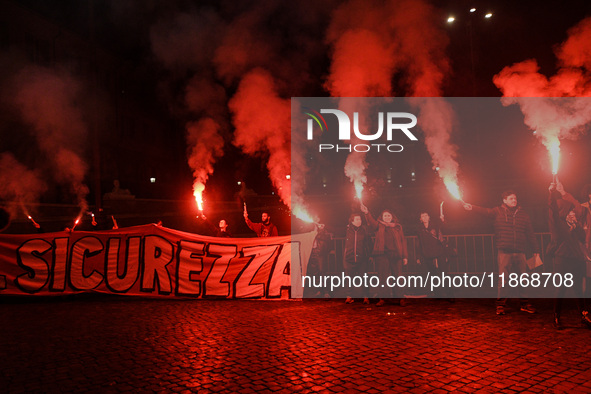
(227, 72)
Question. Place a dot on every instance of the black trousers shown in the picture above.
(570, 265)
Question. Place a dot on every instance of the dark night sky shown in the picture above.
(519, 30)
(478, 49)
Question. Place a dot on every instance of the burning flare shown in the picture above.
(33, 221)
(554, 150)
(300, 213)
(298, 209)
(452, 187)
(76, 222)
(198, 193)
(358, 189)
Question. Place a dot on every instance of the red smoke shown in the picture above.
(233, 44)
(49, 101)
(571, 80)
(372, 42)
(18, 183)
(262, 121)
(553, 119)
(184, 45)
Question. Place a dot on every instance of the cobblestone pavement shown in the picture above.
(116, 344)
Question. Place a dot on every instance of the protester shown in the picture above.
(318, 263)
(356, 253)
(389, 252)
(264, 229)
(513, 236)
(586, 218)
(566, 246)
(434, 252)
(221, 230)
(101, 221)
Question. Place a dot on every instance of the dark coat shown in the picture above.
(513, 229)
(216, 231)
(566, 241)
(431, 242)
(357, 244)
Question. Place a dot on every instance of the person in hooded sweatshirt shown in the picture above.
(356, 252)
(513, 236)
(389, 252)
(566, 246)
(263, 229)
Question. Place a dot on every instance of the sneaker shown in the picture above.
(381, 303)
(366, 301)
(349, 300)
(528, 308)
(500, 310)
(585, 319)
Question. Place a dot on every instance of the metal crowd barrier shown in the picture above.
(476, 253)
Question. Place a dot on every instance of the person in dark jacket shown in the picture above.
(567, 245)
(220, 231)
(356, 252)
(513, 236)
(321, 249)
(389, 252)
(433, 251)
(586, 218)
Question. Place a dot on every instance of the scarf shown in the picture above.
(381, 236)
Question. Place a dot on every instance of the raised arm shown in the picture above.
(253, 226)
(488, 212)
(373, 224)
(578, 208)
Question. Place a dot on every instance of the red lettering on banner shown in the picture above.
(215, 286)
(29, 257)
(149, 260)
(259, 255)
(83, 249)
(121, 282)
(281, 276)
(158, 253)
(190, 262)
(60, 264)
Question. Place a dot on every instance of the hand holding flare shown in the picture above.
(363, 208)
(75, 223)
(34, 222)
